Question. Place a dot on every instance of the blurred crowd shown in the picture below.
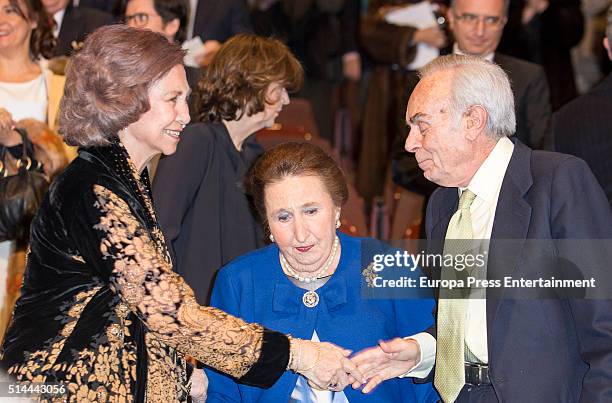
(360, 61)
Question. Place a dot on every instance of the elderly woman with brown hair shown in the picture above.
(309, 281)
(202, 207)
(102, 311)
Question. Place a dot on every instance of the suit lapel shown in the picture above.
(449, 200)
(71, 26)
(206, 10)
(448, 204)
(510, 227)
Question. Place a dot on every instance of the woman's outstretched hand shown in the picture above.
(325, 365)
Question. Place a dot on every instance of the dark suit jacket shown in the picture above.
(542, 350)
(584, 128)
(108, 6)
(533, 115)
(77, 23)
(531, 101)
(201, 204)
(547, 40)
(221, 19)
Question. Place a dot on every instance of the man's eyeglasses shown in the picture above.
(490, 21)
(137, 19)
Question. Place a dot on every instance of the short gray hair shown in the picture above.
(478, 82)
(453, 3)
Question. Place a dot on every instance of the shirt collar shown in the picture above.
(458, 51)
(58, 17)
(488, 179)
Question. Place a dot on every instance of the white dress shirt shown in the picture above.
(486, 185)
(58, 18)
(457, 51)
(25, 100)
(193, 6)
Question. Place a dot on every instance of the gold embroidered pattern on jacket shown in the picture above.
(103, 373)
(167, 380)
(145, 281)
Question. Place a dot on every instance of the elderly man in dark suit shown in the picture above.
(584, 128)
(501, 348)
(477, 27)
(73, 23)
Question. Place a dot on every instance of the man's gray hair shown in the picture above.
(477, 81)
(453, 3)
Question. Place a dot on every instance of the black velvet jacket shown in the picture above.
(101, 309)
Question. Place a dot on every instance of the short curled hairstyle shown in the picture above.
(295, 159)
(108, 81)
(42, 41)
(236, 81)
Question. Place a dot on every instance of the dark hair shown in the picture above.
(236, 81)
(108, 80)
(42, 41)
(295, 159)
(169, 10)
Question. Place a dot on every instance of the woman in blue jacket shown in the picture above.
(308, 282)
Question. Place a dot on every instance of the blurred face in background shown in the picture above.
(276, 98)
(53, 6)
(15, 28)
(142, 14)
(477, 25)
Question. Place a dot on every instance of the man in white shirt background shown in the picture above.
(461, 115)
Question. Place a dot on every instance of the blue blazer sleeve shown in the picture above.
(222, 388)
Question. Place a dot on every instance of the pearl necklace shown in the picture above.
(290, 271)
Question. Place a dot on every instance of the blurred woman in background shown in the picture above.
(28, 90)
(202, 207)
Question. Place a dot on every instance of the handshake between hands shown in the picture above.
(329, 367)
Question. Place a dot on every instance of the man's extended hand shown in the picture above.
(387, 360)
